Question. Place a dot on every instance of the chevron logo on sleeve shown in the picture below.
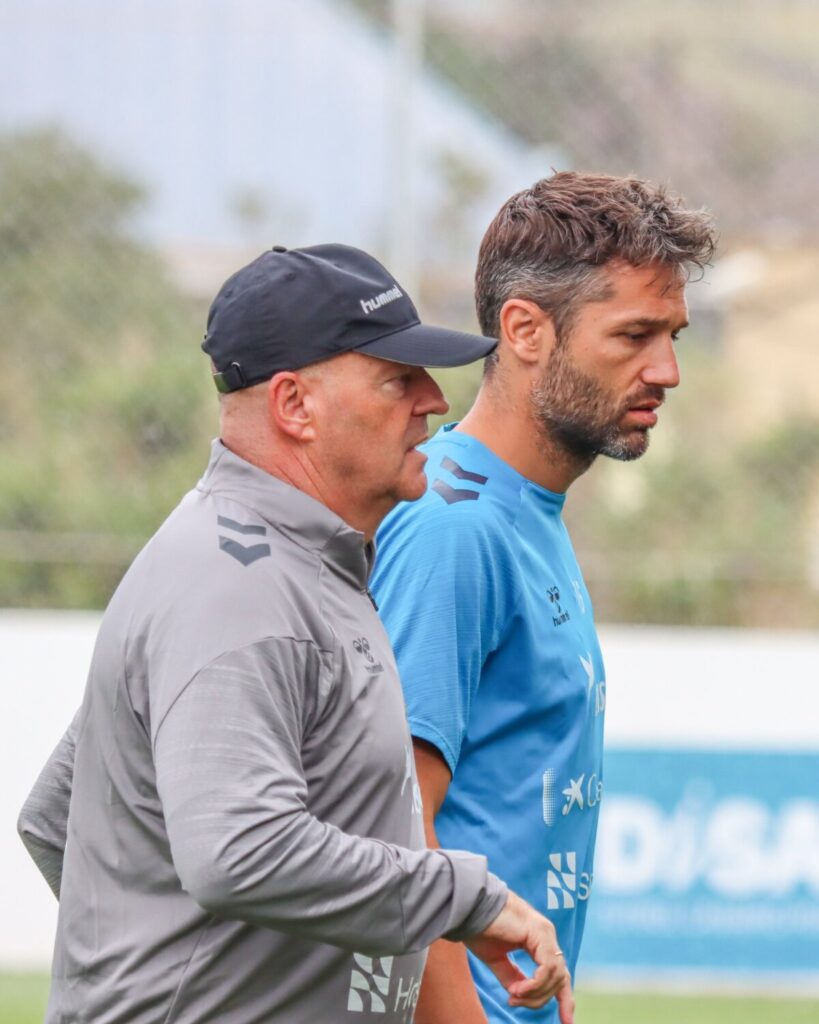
(246, 554)
(451, 494)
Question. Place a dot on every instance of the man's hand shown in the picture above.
(519, 926)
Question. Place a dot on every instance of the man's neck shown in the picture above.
(506, 426)
(293, 468)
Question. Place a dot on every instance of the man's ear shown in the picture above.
(526, 330)
(291, 405)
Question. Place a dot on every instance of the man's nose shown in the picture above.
(662, 370)
(430, 399)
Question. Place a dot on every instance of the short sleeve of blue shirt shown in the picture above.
(443, 587)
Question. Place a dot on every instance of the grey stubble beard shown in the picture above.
(575, 413)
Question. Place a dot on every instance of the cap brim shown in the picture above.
(421, 345)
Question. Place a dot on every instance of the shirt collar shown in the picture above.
(302, 519)
(501, 470)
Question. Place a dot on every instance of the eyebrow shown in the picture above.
(648, 322)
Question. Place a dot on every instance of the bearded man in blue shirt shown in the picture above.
(582, 279)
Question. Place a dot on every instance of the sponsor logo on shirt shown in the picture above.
(549, 798)
(581, 794)
(362, 646)
(373, 989)
(596, 690)
(559, 613)
(564, 886)
(561, 881)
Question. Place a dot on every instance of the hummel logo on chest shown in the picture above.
(559, 614)
(362, 646)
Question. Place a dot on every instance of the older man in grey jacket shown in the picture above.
(232, 823)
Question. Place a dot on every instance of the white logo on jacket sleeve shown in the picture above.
(369, 984)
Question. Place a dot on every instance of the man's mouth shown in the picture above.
(643, 417)
(644, 412)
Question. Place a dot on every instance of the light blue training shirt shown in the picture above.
(492, 626)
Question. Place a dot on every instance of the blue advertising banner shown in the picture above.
(707, 862)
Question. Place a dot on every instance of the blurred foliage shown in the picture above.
(719, 99)
(719, 524)
(714, 525)
(106, 410)
(104, 396)
(710, 539)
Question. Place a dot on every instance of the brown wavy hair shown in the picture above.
(549, 243)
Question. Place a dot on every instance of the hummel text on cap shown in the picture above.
(292, 307)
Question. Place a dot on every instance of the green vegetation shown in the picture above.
(23, 999)
(106, 411)
(104, 401)
(705, 530)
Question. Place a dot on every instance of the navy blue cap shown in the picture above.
(292, 307)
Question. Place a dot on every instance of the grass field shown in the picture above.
(629, 1008)
(23, 998)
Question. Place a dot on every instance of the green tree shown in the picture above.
(104, 399)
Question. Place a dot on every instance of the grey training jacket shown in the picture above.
(244, 839)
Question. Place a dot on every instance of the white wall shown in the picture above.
(715, 688)
(44, 657)
(666, 688)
